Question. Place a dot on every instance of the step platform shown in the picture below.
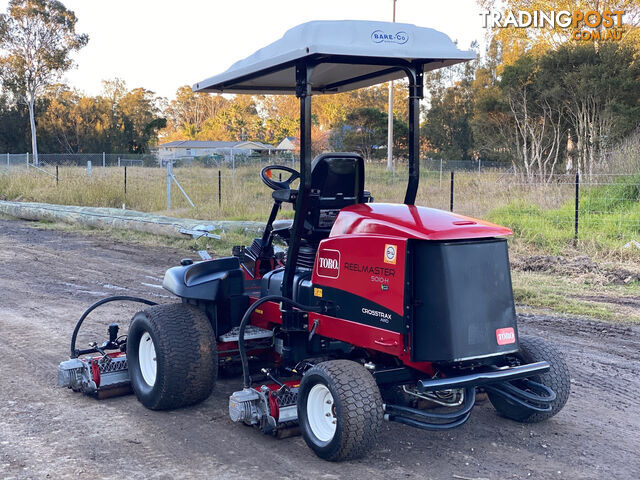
(251, 332)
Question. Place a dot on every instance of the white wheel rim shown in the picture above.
(321, 412)
(147, 359)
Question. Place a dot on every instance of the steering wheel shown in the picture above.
(267, 177)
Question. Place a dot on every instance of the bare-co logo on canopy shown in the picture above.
(379, 36)
(329, 263)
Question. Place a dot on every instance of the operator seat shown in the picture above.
(337, 181)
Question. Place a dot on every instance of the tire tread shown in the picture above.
(361, 403)
(190, 360)
(535, 349)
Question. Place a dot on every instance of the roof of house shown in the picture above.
(291, 140)
(250, 145)
(369, 47)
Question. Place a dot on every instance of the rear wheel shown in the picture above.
(172, 356)
(339, 410)
(533, 349)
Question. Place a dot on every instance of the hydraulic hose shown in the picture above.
(74, 352)
(246, 379)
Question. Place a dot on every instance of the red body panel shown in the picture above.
(371, 267)
(358, 334)
(409, 221)
(366, 336)
(363, 262)
(267, 315)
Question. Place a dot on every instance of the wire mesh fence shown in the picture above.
(602, 208)
(230, 160)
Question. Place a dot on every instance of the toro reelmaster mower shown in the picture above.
(374, 312)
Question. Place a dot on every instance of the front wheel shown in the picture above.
(533, 349)
(339, 410)
(172, 356)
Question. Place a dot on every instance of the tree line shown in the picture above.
(566, 107)
(534, 99)
(118, 120)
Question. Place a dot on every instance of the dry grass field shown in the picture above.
(541, 214)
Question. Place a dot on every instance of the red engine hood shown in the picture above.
(409, 221)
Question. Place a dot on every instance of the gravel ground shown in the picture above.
(49, 277)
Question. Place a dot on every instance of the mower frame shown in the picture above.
(375, 341)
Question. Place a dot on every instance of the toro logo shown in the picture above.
(329, 263)
(505, 336)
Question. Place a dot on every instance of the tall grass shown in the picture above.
(608, 218)
(540, 214)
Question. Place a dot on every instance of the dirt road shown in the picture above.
(48, 278)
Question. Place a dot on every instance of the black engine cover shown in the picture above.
(462, 300)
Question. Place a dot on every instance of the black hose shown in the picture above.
(74, 352)
(246, 379)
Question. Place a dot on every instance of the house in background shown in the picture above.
(190, 149)
(289, 144)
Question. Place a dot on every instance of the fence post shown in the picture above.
(451, 194)
(169, 185)
(57, 175)
(440, 173)
(125, 182)
(118, 161)
(233, 166)
(575, 225)
(8, 162)
(88, 168)
(27, 161)
(479, 164)
(219, 188)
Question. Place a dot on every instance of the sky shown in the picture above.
(163, 44)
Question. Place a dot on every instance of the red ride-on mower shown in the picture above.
(375, 312)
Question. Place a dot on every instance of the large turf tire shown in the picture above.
(186, 366)
(534, 349)
(356, 409)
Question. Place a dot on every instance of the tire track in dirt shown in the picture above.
(45, 432)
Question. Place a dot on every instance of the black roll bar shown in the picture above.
(304, 71)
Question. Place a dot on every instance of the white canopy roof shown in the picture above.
(376, 48)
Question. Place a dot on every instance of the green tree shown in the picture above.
(364, 130)
(600, 90)
(281, 117)
(12, 139)
(586, 96)
(447, 127)
(188, 113)
(37, 38)
(140, 118)
(490, 122)
(446, 130)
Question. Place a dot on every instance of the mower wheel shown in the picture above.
(534, 349)
(172, 356)
(339, 410)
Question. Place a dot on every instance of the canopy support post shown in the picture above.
(416, 92)
(294, 322)
(303, 92)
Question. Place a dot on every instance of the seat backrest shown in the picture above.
(337, 181)
(338, 177)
